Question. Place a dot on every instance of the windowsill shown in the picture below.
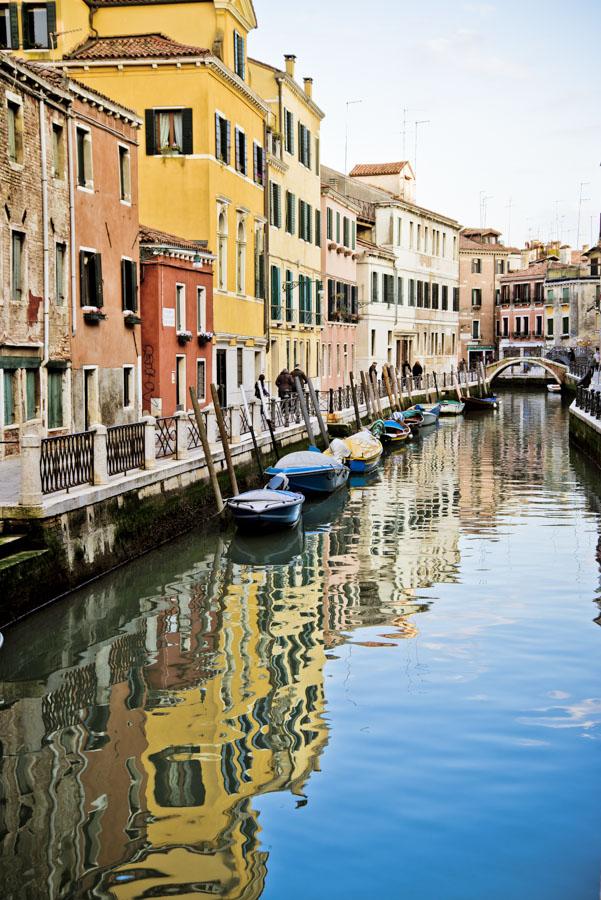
(86, 189)
(125, 202)
(15, 166)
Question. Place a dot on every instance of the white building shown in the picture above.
(407, 272)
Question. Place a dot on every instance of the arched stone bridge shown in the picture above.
(556, 369)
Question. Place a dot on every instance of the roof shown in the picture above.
(164, 239)
(466, 243)
(392, 168)
(134, 46)
(483, 230)
(370, 247)
(535, 270)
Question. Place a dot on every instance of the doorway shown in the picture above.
(90, 397)
(221, 375)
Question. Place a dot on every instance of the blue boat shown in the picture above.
(310, 472)
(270, 507)
(430, 413)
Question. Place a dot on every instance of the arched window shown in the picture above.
(222, 251)
(241, 258)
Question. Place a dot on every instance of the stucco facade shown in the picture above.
(294, 229)
(35, 349)
(339, 254)
(176, 303)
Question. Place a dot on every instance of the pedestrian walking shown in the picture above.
(417, 369)
(284, 384)
(261, 388)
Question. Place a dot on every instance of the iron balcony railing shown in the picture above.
(67, 461)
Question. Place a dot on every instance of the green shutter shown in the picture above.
(150, 132)
(30, 377)
(51, 19)
(83, 283)
(124, 280)
(228, 141)
(187, 136)
(55, 400)
(318, 227)
(9, 410)
(98, 274)
(14, 27)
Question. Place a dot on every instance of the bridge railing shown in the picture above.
(589, 401)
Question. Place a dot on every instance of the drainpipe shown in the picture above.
(46, 260)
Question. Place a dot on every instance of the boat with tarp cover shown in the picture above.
(311, 472)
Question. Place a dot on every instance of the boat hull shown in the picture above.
(363, 466)
(249, 510)
(451, 407)
(480, 404)
(316, 481)
(430, 416)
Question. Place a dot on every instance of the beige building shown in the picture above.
(483, 259)
(294, 219)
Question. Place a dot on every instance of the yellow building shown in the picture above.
(294, 233)
(182, 65)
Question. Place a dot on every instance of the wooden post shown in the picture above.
(320, 422)
(376, 394)
(249, 418)
(355, 401)
(388, 390)
(411, 389)
(457, 386)
(398, 387)
(304, 410)
(436, 385)
(480, 388)
(224, 440)
(366, 394)
(207, 450)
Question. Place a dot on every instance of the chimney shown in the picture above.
(290, 61)
(308, 82)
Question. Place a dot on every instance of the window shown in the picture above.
(420, 294)
(240, 150)
(8, 392)
(201, 309)
(565, 326)
(304, 145)
(222, 138)
(475, 330)
(169, 132)
(15, 131)
(241, 258)
(426, 295)
(58, 150)
(17, 272)
(55, 398)
(258, 163)
(399, 292)
(84, 158)
(476, 266)
(539, 326)
(372, 342)
(505, 326)
(259, 262)
(290, 212)
(129, 285)
(346, 232)
(476, 296)
(201, 379)
(565, 295)
(329, 223)
(305, 223)
(388, 289)
(128, 386)
(374, 287)
(239, 365)
(124, 174)
(222, 251)
(9, 27)
(289, 287)
(550, 327)
(500, 267)
(239, 58)
(435, 291)
(411, 292)
(318, 227)
(60, 255)
(180, 307)
(288, 131)
(31, 379)
(354, 236)
(455, 299)
(276, 292)
(275, 206)
(444, 304)
(90, 278)
(337, 227)
(180, 381)
(39, 25)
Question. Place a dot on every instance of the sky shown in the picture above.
(510, 93)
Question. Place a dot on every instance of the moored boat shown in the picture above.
(271, 507)
(310, 472)
(430, 413)
(480, 403)
(451, 407)
(391, 432)
(361, 451)
(412, 418)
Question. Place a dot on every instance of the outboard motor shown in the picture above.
(279, 482)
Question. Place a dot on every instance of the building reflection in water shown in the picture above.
(144, 715)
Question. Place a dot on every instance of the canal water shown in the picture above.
(401, 700)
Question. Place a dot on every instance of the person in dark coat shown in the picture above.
(284, 384)
(373, 372)
(406, 369)
(297, 372)
(417, 369)
(261, 388)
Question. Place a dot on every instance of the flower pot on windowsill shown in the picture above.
(93, 315)
(130, 318)
(184, 337)
(204, 337)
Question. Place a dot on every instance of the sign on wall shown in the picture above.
(169, 317)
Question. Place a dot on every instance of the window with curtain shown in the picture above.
(169, 132)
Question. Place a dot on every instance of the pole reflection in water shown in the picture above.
(149, 723)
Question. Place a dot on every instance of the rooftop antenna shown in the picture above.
(581, 200)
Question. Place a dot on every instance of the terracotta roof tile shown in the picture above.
(134, 46)
(393, 168)
(535, 270)
(163, 238)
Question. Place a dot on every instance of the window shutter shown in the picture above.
(217, 137)
(236, 52)
(124, 280)
(150, 133)
(255, 162)
(237, 148)
(228, 141)
(83, 296)
(318, 227)
(187, 143)
(309, 223)
(14, 27)
(51, 19)
(98, 272)
(300, 142)
(24, 31)
(241, 60)
(134, 286)
(308, 152)
(243, 153)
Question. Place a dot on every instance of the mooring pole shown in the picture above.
(376, 391)
(366, 394)
(224, 440)
(355, 401)
(251, 428)
(322, 428)
(304, 410)
(204, 440)
(436, 385)
(387, 386)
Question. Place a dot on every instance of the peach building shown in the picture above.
(339, 266)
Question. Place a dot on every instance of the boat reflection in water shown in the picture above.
(278, 548)
(319, 515)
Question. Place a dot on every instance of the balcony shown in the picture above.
(521, 335)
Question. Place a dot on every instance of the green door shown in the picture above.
(9, 407)
(30, 407)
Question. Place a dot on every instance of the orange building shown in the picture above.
(176, 292)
